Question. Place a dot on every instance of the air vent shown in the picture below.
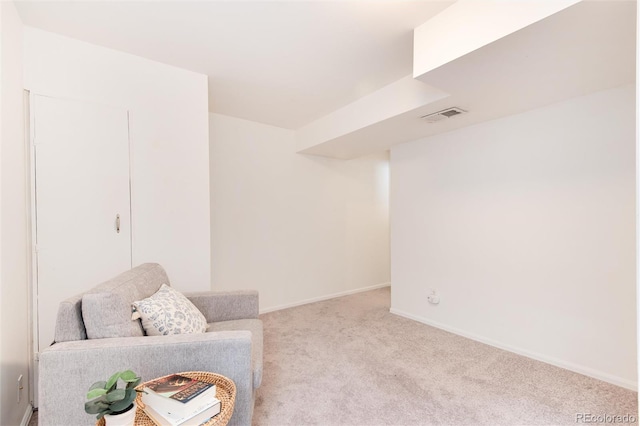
(441, 115)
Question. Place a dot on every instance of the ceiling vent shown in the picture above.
(441, 115)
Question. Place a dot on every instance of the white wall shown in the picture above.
(526, 227)
(637, 190)
(14, 307)
(3, 36)
(292, 226)
(168, 110)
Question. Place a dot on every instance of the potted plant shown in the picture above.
(115, 404)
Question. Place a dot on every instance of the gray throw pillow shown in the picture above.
(108, 315)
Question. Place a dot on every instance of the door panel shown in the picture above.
(81, 186)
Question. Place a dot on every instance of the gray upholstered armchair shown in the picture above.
(232, 347)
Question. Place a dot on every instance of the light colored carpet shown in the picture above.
(348, 361)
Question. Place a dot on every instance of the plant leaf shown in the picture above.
(119, 406)
(96, 393)
(102, 399)
(116, 395)
(132, 385)
(95, 407)
(113, 381)
(130, 395)
(98, 385)
(128, 376)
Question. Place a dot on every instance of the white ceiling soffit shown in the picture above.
(400, 97)
(284, 63)
(584, 48)
(469, 25)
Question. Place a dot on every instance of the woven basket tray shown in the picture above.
(225, 392)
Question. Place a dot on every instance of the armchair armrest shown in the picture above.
(67, 369)
(227, 305)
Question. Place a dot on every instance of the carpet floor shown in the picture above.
(348, 361)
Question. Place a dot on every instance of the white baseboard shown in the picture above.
(596, 374)
(27, 416)
(321, 298)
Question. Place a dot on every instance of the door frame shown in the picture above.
(31, 253)
(32, 237)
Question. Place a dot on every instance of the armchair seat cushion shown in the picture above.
(255, 327)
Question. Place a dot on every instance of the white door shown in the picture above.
(82, 196)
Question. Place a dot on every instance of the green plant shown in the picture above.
(107, 398)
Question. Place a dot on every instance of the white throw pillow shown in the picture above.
(169, 312)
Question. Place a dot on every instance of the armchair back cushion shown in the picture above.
(108, 306)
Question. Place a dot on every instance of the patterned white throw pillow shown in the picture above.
(168, 312)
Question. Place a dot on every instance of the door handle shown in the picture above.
(118, 223)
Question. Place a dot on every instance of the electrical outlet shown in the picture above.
(433, 297)
(20, 387)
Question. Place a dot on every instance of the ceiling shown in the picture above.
(284, 63)
(587, 47)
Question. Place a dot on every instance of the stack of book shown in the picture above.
(180, 401)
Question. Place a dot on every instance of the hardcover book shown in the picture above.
(198, 417)
(179, 388)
